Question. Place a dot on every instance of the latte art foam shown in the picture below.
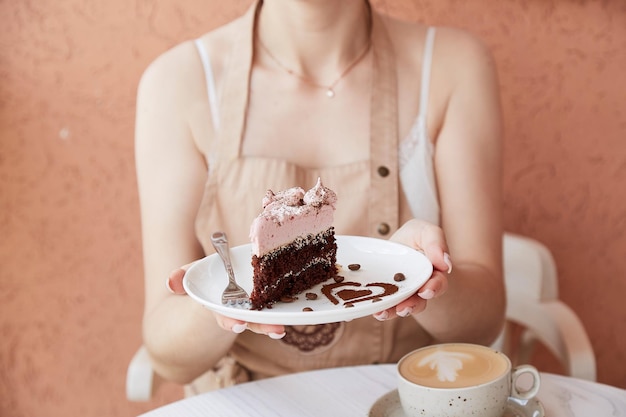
(453, 366)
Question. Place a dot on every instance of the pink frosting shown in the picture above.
(291, 213)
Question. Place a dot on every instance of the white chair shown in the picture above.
(140, 377)
(532, 303)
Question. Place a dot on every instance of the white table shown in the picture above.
(351, 391)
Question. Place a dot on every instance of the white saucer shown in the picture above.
(389, 406)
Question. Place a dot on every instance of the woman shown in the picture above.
(402, 118)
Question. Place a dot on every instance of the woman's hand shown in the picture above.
(429, 239)
(174, 284)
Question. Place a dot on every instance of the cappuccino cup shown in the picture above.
(459, 380)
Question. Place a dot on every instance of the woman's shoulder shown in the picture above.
(461, 62)
(451, 43)
(459, 57)
(181, 64)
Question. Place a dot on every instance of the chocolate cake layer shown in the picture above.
(293, 268)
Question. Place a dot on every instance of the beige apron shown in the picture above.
(366, 190)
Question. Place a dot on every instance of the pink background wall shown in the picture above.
(71, 275)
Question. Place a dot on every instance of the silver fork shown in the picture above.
(233, 294)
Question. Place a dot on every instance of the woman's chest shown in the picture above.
(305, 127)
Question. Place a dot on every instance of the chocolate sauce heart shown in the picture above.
(353, 295)
(349, 295)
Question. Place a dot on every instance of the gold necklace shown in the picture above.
(330, 89)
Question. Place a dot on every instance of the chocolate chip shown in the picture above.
(354, 267)
(311, 296)
(286, 299)
(339, 278)
(399, 277)
(307, 309)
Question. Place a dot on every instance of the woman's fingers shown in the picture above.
(429, 239)
(174, 281)
(272, 330)
(433, 288)
(412, 305)
(237, 326)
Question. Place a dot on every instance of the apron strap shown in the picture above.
(384, 206)
(234, 103)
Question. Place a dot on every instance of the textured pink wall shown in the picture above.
(70, 281)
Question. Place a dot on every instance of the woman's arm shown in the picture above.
(182, 337)
(468, 169)
(469, 175)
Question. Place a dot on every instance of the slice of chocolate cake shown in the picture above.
(293, 243)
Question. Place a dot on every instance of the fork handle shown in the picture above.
(220, 243)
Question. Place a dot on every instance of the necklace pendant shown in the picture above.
(330, 93)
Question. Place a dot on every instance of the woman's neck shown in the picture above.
(317, 38)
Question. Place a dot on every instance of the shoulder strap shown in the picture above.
(210, 83)
(426, 67)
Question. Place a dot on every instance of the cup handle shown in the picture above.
(530, 392)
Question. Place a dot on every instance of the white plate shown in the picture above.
(389, 406)
(379, 259)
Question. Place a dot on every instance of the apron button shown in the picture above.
(383, 171)
(383, 228)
